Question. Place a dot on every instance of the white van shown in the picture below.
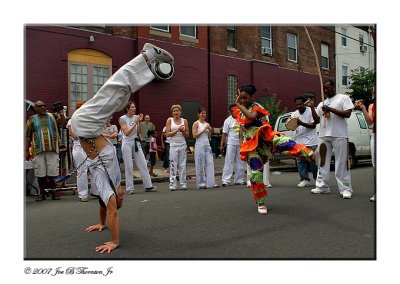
(359, 135)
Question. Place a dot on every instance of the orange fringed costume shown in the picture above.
(260, 142)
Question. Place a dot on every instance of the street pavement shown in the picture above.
(212, 224)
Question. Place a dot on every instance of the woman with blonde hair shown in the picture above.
(177, 129)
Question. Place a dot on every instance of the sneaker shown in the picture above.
(40, 197)
(225, 184)
(262, 209)
(322, 154)
(161, 55)
(304, 183)
(172, 189)
(240, 183)
(216, 186)
(268, 185)
(346, 194)
(131, 192)
(319, 190)
(372, 199)
(151, 189)
(184, 187)
(153, 175)
(84, 199)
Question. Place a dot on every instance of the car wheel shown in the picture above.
(353, 160)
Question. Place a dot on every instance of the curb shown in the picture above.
(191, 176)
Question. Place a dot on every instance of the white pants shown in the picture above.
(342, 173)
(204, 162)
(177, 160)
(90, 119)
(99, 175)
(81, 173)
(46, 164)
(128, 150)
(373, 154)
(233, 163)
(265, 174)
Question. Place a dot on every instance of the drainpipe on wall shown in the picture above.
(209, 105)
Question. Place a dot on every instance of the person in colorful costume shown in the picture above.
(42, 136)
(259, 142)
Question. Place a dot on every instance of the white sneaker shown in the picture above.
(160, 55)
(372, 199)
(151, 189)
(304, 183)
(319, 190)
(268, 185)
(346, 194)
(262, 209)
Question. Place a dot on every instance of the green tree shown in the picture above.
(362, 80)
(273, 105)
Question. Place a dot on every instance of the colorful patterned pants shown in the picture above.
(260, 155)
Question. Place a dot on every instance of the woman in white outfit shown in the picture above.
(177, 130)
(79, 157)
(203, 156)
(130, 126)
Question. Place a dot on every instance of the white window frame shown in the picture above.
(266, 39)
(233, 30)
(157, 28)
(325, 54)
(188, 35)
(345, 74)
(361, 39)
(87, 86)
(295, 47)
(343, 38)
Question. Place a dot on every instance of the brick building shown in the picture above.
(69, 63)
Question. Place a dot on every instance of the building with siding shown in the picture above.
(354, 48)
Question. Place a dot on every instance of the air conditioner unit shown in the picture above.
(363, 48)
(266, 50)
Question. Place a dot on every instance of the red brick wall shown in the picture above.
(188, 83)
(46, 62)
(46, 65)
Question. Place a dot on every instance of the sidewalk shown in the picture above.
(275, 165)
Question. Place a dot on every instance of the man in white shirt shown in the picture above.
(233, 163)
(305, 134)
(333, 133)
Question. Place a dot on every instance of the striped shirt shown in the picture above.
(42, 130)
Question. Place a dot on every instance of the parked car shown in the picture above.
(359, 136)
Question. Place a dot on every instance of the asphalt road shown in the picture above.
(212, 224)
